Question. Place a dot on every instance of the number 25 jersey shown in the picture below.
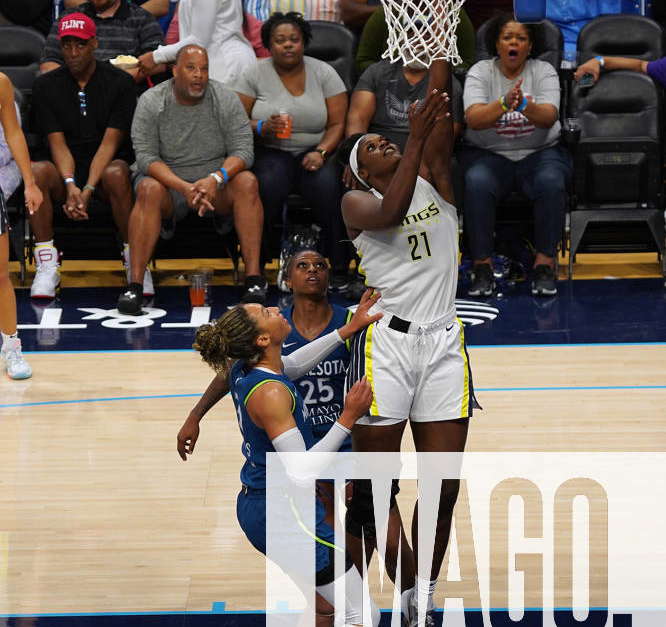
(415, 265)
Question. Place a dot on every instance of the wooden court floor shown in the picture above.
(98, 513)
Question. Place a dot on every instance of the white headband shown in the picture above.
(353, 164)
(353, 160)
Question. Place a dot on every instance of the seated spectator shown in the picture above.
(157, 8)
(512, 142)
(193, 146)
(122, 28)
(84, 110)
(37, 14)
(297, 160)
(374, 39)
(382, 97)
(215, 25)
(656, 70)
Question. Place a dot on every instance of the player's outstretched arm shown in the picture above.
(439, 145)
(302, 360)
(189, 432)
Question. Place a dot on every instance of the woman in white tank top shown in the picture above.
(405, 228)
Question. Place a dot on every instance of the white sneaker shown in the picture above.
(17, 366)
(148, 287)
(47, 276)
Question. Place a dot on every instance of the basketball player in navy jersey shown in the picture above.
(405, 229)
(271, 417)
(310, 317)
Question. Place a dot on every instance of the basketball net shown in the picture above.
(422, 31)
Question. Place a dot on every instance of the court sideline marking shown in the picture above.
(563, 388)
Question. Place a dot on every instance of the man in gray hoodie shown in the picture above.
(193, 145)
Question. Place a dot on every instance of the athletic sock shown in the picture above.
(6, 338)
(405, 598)
(49, 243)
(425, 589)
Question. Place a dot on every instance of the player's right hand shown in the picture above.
(357, 401)
(361, 317)
(187, 437)
(423, 115)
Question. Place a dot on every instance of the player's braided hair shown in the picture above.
(231, 336)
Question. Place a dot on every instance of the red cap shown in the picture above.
(76, 25)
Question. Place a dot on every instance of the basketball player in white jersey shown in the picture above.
(405, 229)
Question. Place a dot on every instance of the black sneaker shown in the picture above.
(256, 288)
(483, 280)
(543, 281)
(130, 301)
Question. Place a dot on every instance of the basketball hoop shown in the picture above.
(422, 31)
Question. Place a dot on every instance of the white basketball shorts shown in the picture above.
(421, 372)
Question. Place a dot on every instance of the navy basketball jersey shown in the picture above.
(256, 443)
(323, 388)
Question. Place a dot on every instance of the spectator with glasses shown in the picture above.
(84, 112)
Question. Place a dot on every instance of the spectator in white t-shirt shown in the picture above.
(217, 26)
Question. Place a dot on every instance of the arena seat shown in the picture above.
(333, 43)
(623, 35)
(618, 160)
(20, 51)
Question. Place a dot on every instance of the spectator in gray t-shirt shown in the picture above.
(511, 142)
(193, 146)
(382, 97)
(314, 97)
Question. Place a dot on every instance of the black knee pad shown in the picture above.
(360, 517)
(327, 574)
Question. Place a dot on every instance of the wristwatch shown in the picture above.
(322, 152)
(601, 60)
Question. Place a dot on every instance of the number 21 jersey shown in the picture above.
(415, 265)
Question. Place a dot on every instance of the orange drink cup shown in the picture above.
(285, 132)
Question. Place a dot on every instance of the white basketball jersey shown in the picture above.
(415, 265)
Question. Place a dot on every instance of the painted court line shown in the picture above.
(220, 608)
(469, 346)
(564, 388)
